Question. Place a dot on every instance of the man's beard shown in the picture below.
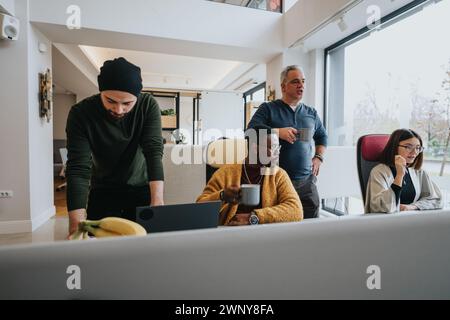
(113, 117)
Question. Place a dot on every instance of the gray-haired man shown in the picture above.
(298, 126)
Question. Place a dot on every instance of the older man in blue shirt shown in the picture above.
(298, 127)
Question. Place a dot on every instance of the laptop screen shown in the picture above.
(179, 217)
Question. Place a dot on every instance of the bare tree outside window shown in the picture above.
(384, 80)
(446, 103)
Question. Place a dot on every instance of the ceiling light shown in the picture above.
(342, 24)
(246, 84)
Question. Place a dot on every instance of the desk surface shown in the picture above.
(321, 259)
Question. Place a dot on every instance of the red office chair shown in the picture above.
(368, 152)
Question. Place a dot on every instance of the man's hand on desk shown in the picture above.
(240, 219)
(157, 203)
(156, 193)
(75, 217)
(407, 207)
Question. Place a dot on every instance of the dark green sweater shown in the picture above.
(112, 154)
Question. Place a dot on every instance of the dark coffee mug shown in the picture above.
(304, 134)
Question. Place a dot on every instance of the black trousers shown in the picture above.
(309, 196)
(120, 202)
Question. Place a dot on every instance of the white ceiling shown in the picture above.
(170, 71)
(174, 71)
(57, 89)
(67, 76)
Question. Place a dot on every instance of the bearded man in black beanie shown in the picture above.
(115, 148)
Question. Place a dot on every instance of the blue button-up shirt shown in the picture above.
(295, 158)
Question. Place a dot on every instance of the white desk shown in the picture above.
(320, 259)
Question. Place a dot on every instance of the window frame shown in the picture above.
(250, 93)
(392, 18)
(386, 21)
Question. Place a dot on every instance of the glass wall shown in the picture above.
(397, 76)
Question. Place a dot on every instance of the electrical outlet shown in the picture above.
(6, 194)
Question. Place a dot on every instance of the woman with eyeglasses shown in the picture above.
(399, 183)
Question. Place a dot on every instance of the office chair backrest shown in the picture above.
(224, 152)
(368, 151)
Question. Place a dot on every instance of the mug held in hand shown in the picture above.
(304, 134)
(250, 194)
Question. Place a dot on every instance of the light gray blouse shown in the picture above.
(380, 198)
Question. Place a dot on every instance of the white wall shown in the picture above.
(274, 68)
(316, 83)
(186, 117)
(219, 112)
(14, 171)
(184, 182)
(25, 138)
(62, 104)
(9, 6)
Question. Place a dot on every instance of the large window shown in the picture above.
(396, 76)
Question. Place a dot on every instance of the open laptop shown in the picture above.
(179, 217)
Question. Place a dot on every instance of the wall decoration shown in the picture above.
(271, 94)
(45, 95)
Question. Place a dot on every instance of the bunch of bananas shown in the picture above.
(108, 227)
(79, 235)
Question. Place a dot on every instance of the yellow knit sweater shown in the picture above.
(280, 201)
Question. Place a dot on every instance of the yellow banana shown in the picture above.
(122, 226)
(117, 225)
(100, 233)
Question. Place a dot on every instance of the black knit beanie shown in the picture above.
(121, 75)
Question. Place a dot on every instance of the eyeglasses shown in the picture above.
(409, 148)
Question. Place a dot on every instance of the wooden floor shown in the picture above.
(60, 197)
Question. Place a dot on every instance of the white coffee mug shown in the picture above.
(250, 194)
